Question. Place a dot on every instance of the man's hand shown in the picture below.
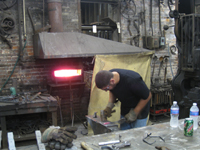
(131, 116)
(108, 110)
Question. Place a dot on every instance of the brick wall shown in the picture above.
(29, 71)
(129, 31)
(71, 23)
(31, 74)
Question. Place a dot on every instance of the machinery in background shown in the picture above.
(186, 83)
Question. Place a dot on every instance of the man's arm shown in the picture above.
(112, 98)
(142, 103)
(108, 110)
(133, 113)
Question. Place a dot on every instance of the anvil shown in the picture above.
(100, 127)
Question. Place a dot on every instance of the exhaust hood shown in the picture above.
(52, 45)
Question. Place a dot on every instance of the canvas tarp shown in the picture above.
(139, 62)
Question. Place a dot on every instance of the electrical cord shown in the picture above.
(13, 68)
(159, 14)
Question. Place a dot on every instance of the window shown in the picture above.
(102, 15)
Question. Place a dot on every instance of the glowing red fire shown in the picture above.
(67, 72)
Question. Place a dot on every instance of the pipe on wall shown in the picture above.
(55, 15)
(19, 27)
(24, 13)
(176, 20)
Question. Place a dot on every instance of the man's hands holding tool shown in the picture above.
(108, 110)
(131, 116)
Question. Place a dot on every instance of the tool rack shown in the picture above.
(161, 101)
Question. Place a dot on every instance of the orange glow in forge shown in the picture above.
(67, 72)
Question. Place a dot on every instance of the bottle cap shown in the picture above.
(194, 104)
(174, 102)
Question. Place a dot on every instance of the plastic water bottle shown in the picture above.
(194, 113)
(174, 112)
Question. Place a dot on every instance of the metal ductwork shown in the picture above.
(59, 44)
(55, 15)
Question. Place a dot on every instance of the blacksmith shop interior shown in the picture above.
(52, 50)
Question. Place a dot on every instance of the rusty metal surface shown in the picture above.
(74, 44)
(100, 127)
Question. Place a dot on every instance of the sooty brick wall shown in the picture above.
(20, 69)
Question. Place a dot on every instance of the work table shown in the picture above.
(15, 108)
(174, 138)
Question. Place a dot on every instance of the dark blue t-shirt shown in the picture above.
(130, 89)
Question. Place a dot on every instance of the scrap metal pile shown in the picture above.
(26, 97)
(23, 126)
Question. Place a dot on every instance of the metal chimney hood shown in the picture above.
(49, 45)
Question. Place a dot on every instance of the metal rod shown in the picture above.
(31, 19)
(145, 30)
(98, 27)
(159, 15)
(24, 19)
(43, 15)
(102, 1)
(71, 103)
(109, 142)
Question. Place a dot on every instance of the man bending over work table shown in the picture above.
(129, 88)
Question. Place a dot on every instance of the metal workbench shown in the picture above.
(29, 107)
(174, 138)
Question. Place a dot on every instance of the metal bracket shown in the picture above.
(149, 136)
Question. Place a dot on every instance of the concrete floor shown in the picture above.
(159, 119)
(81, 132)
